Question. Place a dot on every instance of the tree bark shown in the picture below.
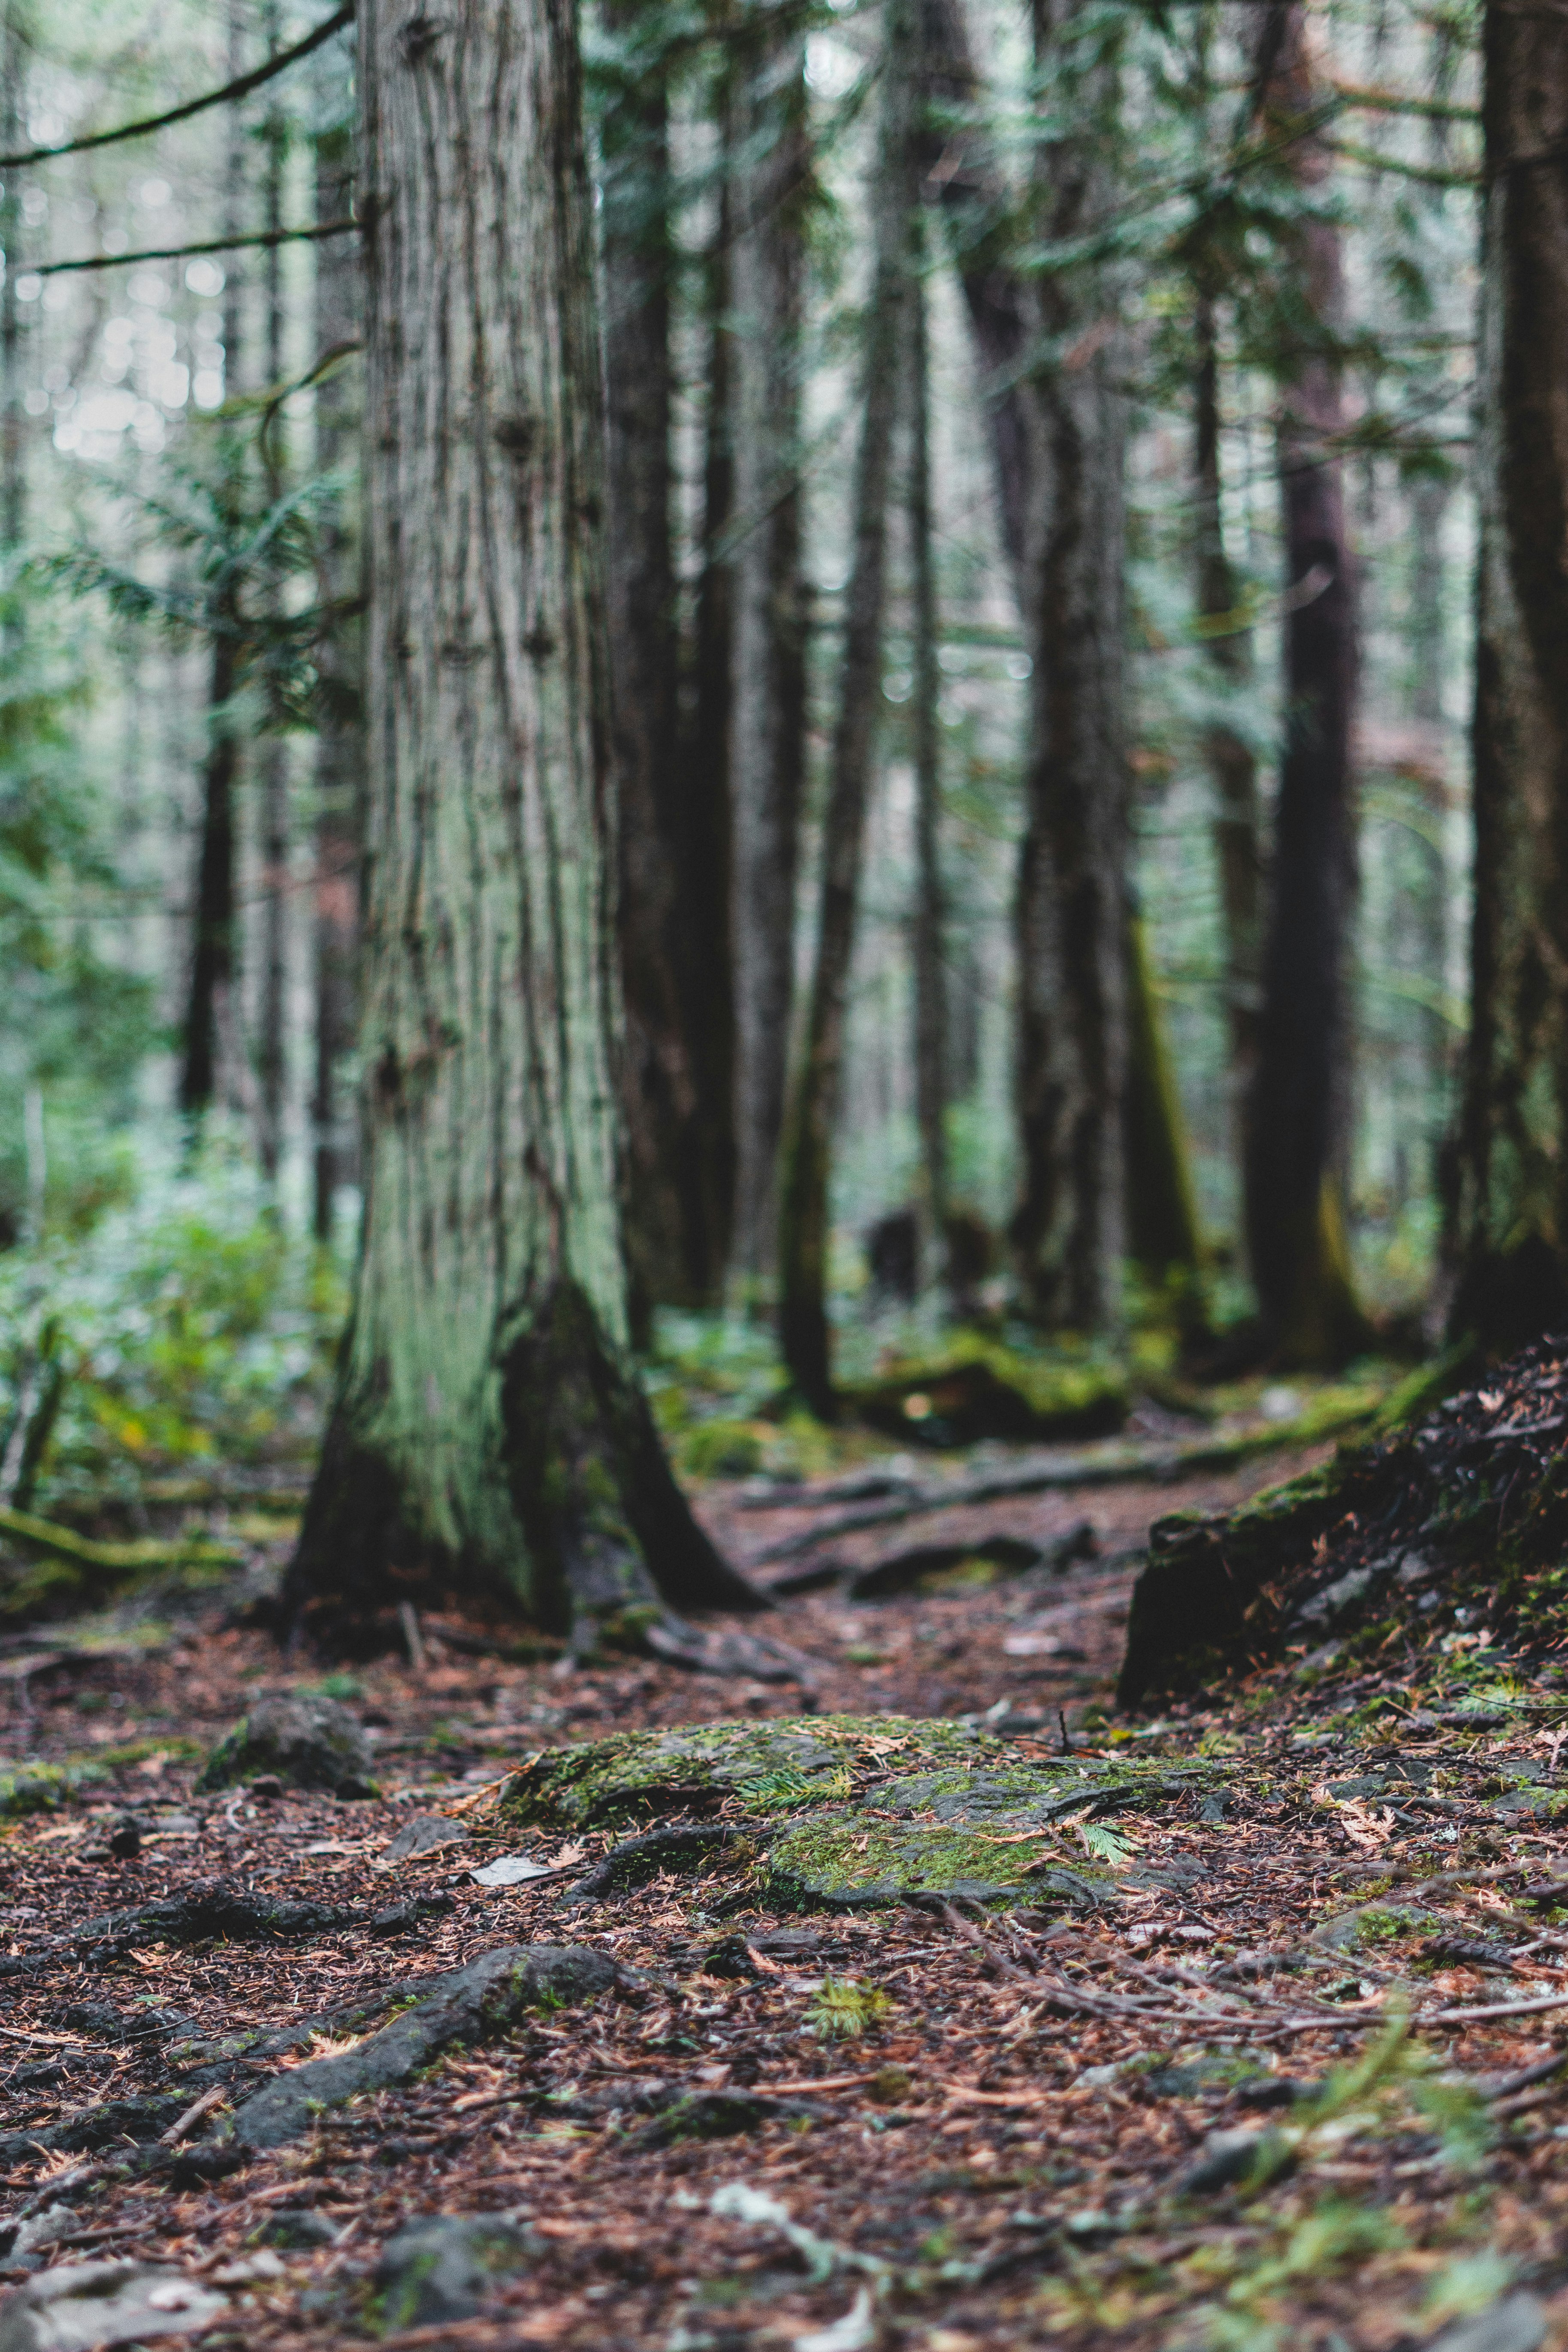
(12, 431)
(1069, 1229)
(1232, 768)
(1509, 1216)
(931, 896)
(1298, 1120)
(669, 1204)
(271, 1056)
(805, 1219)
(340, 732)
(488, 1433)
(211, 972)
(767, 756)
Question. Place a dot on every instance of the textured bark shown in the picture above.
(1162, 1236)
(1511, 1212)
(340, 734)
(805, 1220)
(488, 1433)
(271, 1054)
(768, 721)
(930, 899)
(1068, 1232)
(1233, 769)
(12, 431)
(1429, 885)
(212, 971)
(667, 1197)
(1297, 1123)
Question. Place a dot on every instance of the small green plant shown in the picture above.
(1107, 1844)
(847, 2007)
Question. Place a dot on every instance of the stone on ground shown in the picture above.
(302, 1738)
(445, 2267)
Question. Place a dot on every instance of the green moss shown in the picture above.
(978, 1386)
(39, 1788)
(720, 1449)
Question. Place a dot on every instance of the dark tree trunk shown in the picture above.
(212, 971)
(931, 897)
(340, 735)
(488, 1434)
(1510, 1232)
(1429, 887)
(271, 1057)
(1297, 1125)
(767, 741)
(1232, 768)
(805, 1222)
(670, 1210)
(1069, 1231)
(13, 430)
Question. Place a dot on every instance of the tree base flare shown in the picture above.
(608, 1545)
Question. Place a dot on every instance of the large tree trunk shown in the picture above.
(212, 971)
(1233, 769)
(805, 1222)
(930, 927)
(488, 1433)
(1069, 1231)
(339, 733)
(12, 431)
(1298, 1120)
(1510, 1214)
(668, 1207)
(767, 756)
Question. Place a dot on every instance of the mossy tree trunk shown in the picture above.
(488, 1435)
(767, 741)
(1299, 1115)
(1510, 1216)
(930, 926)
(1162, 1237)
(805, 1220)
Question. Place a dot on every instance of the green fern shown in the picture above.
(847, 2007)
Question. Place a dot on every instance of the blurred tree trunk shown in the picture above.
(1233, 769)
(805, 1222)
(1299, 1117)
(1431, 886)
(768, 720)
(1510, 1215)
(931, 896)
(340, 734)
(670, 1211)
(1069, 1232)
(271, 1060)
(212, 971)
(709, 845)
(488, 1433)
(12, 431)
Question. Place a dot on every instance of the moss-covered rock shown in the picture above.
(772, 1767)
(303, 1737)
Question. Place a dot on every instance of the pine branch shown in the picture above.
(181, 252)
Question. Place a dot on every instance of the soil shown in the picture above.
(976, 2126)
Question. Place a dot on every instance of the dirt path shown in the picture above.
(1000, 2133)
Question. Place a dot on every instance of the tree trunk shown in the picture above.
(709, 848)
(1162, 1237)
(213, 927)
(12, 431)
(1298, 1121)
(488, 1433)
(1069, 1231)
(1430, 887)
(1233, 769)
(271, 1057)
(767, 756)
(805, 1219)
(1510, 1212)
(665, 1228)
(340, 732)
(931, 897)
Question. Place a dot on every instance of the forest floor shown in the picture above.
(1261, 2088)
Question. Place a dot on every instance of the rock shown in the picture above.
(1517, 2322)
(82, 2305)
(297, 2229)
(125, 1840)
(1230, 2158)
(445, 2268)
(716, 2115)
(467, 2005)
(775, 1767)
(298, 1737)
(426, 1833)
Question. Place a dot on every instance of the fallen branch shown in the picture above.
(116, 1559)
